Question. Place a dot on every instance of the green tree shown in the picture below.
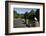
(31, 16)
(26, 16)
(15, 14)
(37, 14)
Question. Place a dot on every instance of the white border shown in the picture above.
(32, 29)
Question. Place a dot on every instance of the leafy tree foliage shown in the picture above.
(37, 14)
(16, 14)
(29, 16)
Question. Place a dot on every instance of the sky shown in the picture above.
(22, 10)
